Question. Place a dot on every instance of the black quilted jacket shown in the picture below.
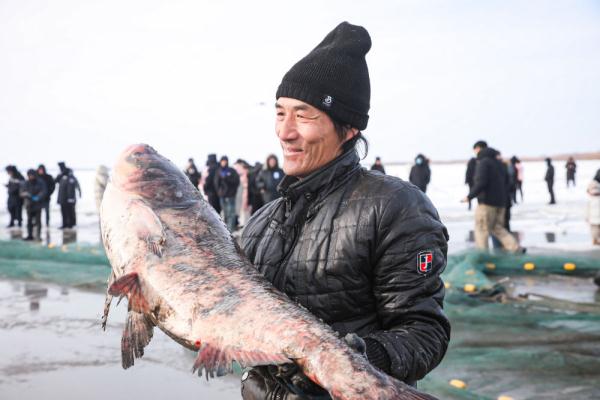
(348, 244)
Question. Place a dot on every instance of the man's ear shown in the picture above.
(351, 133)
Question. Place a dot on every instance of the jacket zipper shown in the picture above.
(280, 275)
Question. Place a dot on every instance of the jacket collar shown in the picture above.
(317, 183)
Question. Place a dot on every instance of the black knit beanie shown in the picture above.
(334, 76)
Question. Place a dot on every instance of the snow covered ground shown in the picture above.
(533, 219)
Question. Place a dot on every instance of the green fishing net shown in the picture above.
(506, 343)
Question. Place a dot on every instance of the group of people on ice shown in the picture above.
(34, 193)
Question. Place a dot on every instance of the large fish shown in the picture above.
(181, 270)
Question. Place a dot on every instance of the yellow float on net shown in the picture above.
(457, 383)
(490, 265)
(569, 267)
(447, 285)
(469, 288)
(51, 245)
(470, 272)
(64, 248)
(503, 397)
(529, 266)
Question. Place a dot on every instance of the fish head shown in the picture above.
(142, 171)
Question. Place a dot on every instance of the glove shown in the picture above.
(258, 384)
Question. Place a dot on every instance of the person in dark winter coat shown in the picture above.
(571, 167)
(491, 189)
(549, 178)
(14, 202)
(50, 186)
(269, 178)
(420, 174)
(34, 193)
(192, 173)
(378, 166)
(254, 196)
(227, 181)
(470, 175)
(68, 186)
(361, 250)
(209, 183)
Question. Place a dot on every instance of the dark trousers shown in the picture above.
(68, 215)
(228, 206)
(46, 208)
(16, 213)
(34, 218)
(520, 190)
(214, 201)
(470, 186)
(551, 191)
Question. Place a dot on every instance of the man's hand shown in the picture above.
(465, 200)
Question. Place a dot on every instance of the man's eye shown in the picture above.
(300, 116)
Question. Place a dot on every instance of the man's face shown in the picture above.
(223, 163)
(307, 137)
(476, 150)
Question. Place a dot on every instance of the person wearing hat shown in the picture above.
(50, 186)
(361, 250)
(226, 182)
(378, 166)
(14, 202)
(209, 182)
(68, 186)
(34, 193)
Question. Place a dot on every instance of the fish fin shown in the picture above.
(129, 285)
(147, 225)
(219, 361)
(137, 334)
(107, 300)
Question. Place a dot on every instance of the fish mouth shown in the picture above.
(132, 164)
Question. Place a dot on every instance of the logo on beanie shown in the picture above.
(327, 101)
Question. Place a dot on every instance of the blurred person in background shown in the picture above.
(269, 178)
(254, 195)
(68, 186)
(511, 177)
(34, 192)
(242, 205)
(192, 173)
(227, 181)
(210, 191)
(511, 173)
(50, 186)
(518, 168)
(14, 201)
(100, 182)
(470, 174)
(593, 211)
(420, 174)
(571, 168)
(378, 166)
(490, 188)
(549, 178)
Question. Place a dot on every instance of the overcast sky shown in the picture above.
(81, 79)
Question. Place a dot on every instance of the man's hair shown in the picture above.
(342, 128)
(482, 144)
